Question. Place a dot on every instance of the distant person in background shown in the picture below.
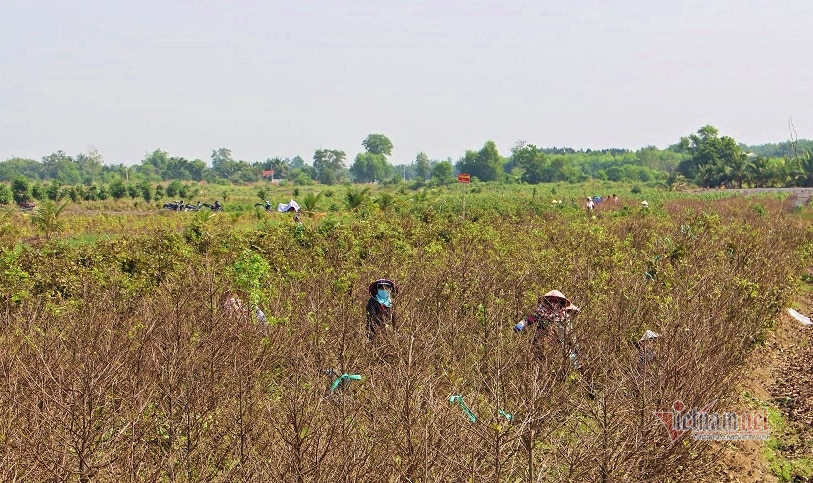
(380, 308)
(261, 318)
(234, 305)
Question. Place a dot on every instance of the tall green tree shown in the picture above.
(422, 166)
(532, 161)
(485, 164)
(90, 166)
(442, 172)
(297, 162)
(279, 165)
(182, 168)
(15, 167)
(329, 165)
(62, 167)
(223, 165)
(369, 167)
(378, 144)
(158, 159)
(707, 148)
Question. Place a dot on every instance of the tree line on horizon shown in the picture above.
(704, 157)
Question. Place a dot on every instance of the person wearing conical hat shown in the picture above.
(380, 308)
(646, 346)
(553, 318)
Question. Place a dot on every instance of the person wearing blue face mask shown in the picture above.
(380, 308)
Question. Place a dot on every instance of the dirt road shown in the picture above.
(799, 196)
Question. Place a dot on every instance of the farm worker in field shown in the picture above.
(233, 302)
(554, 323)
(646, 346)
(235, 305)
(380, 309)
(261, 316)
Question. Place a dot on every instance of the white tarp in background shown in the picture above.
(283, 207)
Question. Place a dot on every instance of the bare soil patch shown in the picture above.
(779, 376)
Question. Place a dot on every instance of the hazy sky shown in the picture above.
(281, 78)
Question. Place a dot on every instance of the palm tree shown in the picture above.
(779, 172)
(737, 169)
(356, 197)
(46, 218)
(706, 175)
(310, 200)
(806, 168)
(758, 172)
(674, 181)
(280, 168)
(801, 170)
(203, 216)
(385, 201)
(422, 195)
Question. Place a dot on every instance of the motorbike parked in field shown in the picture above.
(181, 206)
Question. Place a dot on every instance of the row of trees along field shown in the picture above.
(704, 158)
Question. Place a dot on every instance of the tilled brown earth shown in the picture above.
(792, 389)
(778, 375)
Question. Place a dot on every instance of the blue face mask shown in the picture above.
(383, 297)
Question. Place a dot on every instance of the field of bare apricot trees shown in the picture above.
(119, 362)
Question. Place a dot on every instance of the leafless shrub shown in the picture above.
(130, 368)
